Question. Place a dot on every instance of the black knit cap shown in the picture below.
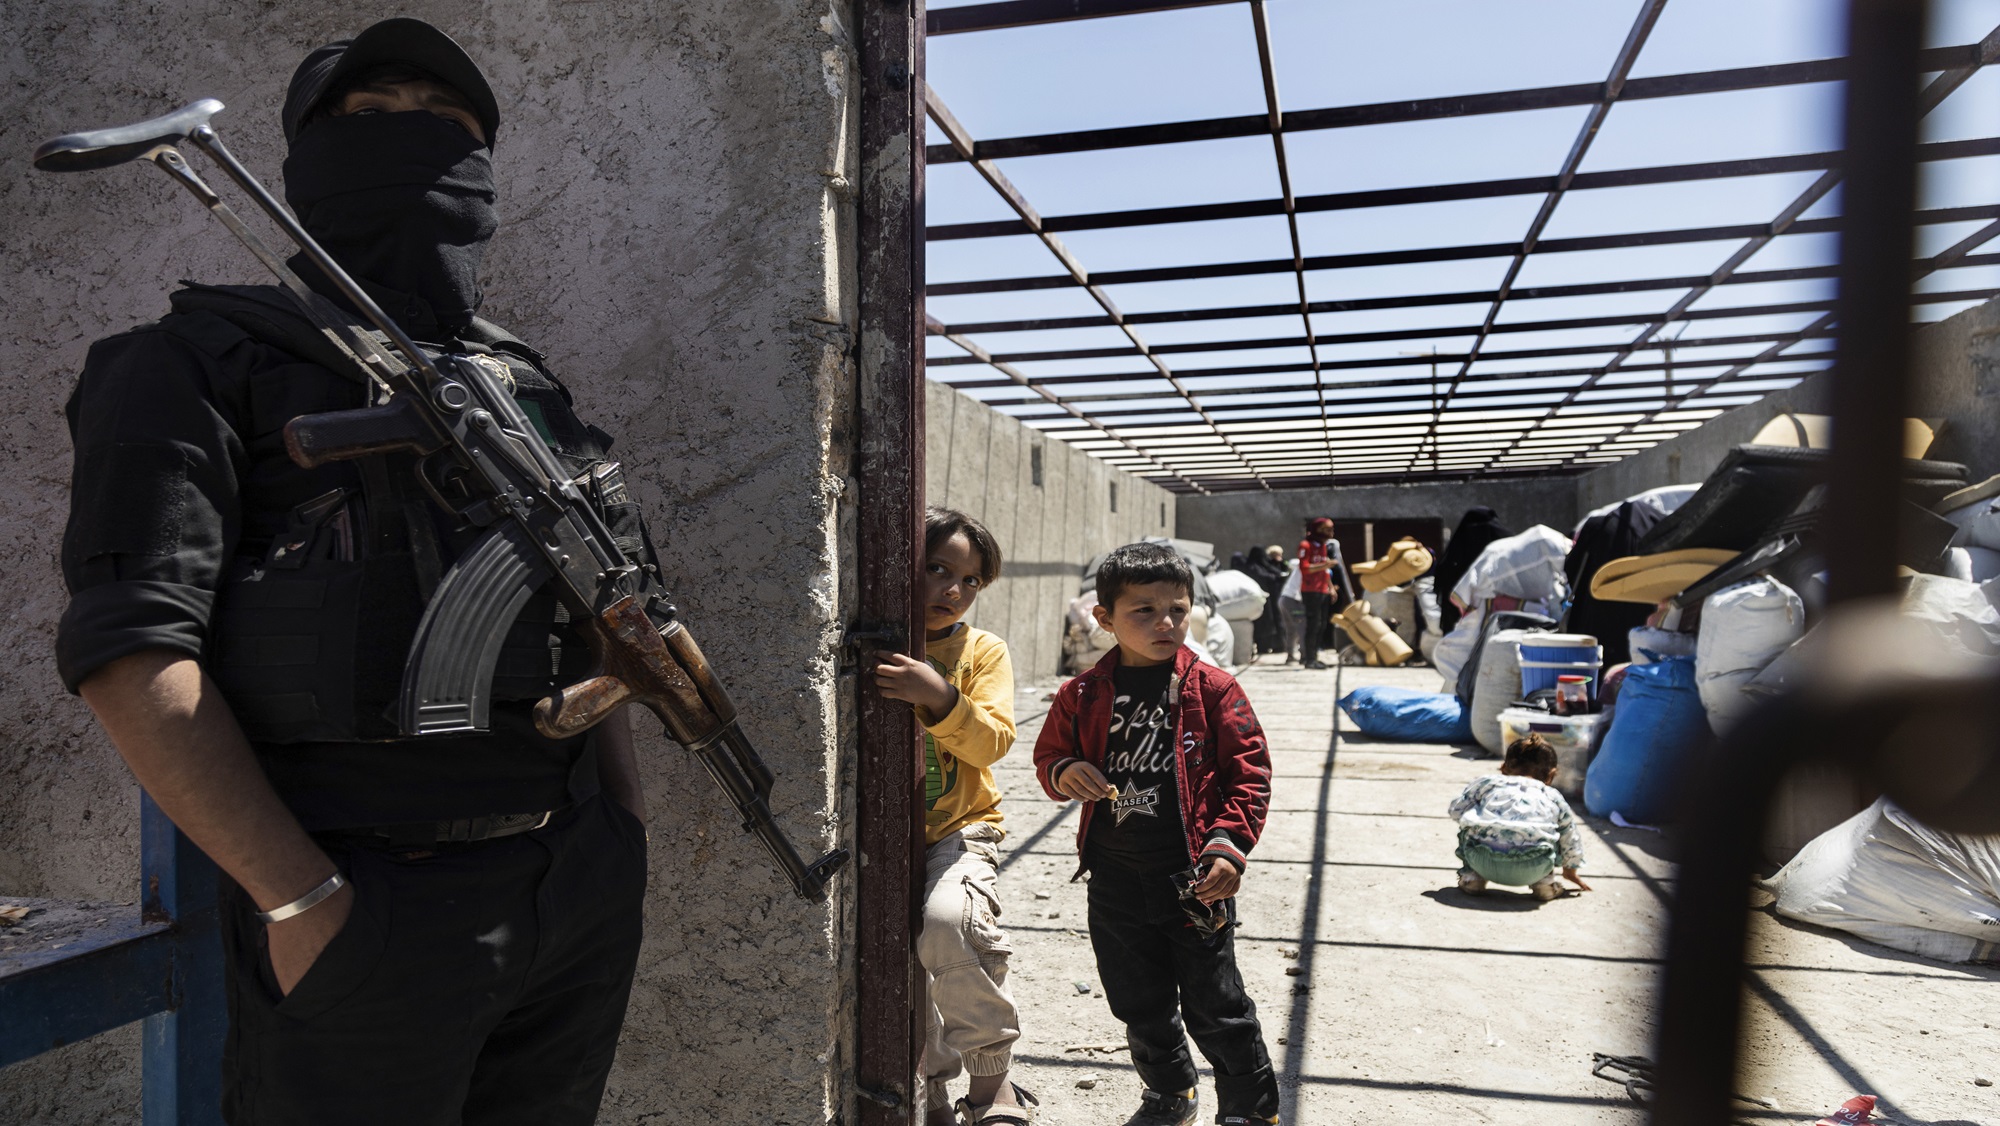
(407, 41)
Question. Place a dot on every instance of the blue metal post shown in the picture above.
(183, 1045)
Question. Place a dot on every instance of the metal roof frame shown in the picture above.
(1191, 428)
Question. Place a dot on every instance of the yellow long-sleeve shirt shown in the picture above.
(961, 746)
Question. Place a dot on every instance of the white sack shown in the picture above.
(1961, 616)
(1238, 598)
(1661, 501)
(1743, 628)
(1221, 642)
(1455, 648)
(1084, 641)
(1427, 604)
(1648, 644)
(1978, 524)
(1496, 685)
(1960, 613)
(1528, 566)
(1243, 639)
(1889, 879)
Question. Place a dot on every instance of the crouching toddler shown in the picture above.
(1515, 828)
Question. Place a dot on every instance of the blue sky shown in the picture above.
(1199, 63)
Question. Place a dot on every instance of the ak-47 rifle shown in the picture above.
(482, 461)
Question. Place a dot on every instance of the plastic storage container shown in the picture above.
(1545, 656)
(1574, 737)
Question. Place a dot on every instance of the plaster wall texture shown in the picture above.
(1233, 520)
(678, 238)
(1957, 368)
(981, 462)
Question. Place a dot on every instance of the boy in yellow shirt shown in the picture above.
(963, 691)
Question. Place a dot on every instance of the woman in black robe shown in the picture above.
(1479, 527)
(1268, 631)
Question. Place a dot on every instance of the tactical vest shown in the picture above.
(308, 641)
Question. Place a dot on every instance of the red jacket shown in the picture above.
(1313, 550)
(1224, 764)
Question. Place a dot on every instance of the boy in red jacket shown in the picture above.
(1176, 777)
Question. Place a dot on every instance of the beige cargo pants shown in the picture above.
(973, 1022)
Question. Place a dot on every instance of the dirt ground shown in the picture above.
(1388, 996)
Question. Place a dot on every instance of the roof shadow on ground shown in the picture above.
(1493, 900)
(1658, 845)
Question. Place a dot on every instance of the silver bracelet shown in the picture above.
(304, 903)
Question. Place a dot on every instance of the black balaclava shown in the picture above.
(403, 200)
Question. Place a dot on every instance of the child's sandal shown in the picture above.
(999, 1114)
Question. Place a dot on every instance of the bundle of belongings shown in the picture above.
(1519, 574)
(1375, 638)
(1405, 560)
(1881, 874)
(1725, 585)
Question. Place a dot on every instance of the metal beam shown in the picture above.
(1445, 193)
(1325, 480)
(1724, 233)
(1029, 13)
(1403, 360)
(1425, 300)
(1431, 109)
(1259, 343)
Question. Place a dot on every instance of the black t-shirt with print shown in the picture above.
(1141, 829)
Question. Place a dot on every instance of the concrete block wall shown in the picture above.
(678, 238)
(1235, 520)
(981, 462)
(1957, 379)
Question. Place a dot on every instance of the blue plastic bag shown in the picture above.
(1405, 713)
(1659, 721)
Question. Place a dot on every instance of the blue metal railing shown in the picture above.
(161, 963)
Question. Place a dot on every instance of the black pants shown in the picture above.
(1319, 605)
(1157, 972)
(483, 984)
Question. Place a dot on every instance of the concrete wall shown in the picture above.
(980, 461)
(676, 239)
(1957, 364)
(1233, 520)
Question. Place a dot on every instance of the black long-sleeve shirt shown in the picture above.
(180, 471)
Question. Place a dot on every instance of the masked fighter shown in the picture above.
(434, 930)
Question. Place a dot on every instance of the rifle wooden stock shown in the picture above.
(666, 671)
(636, 666)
